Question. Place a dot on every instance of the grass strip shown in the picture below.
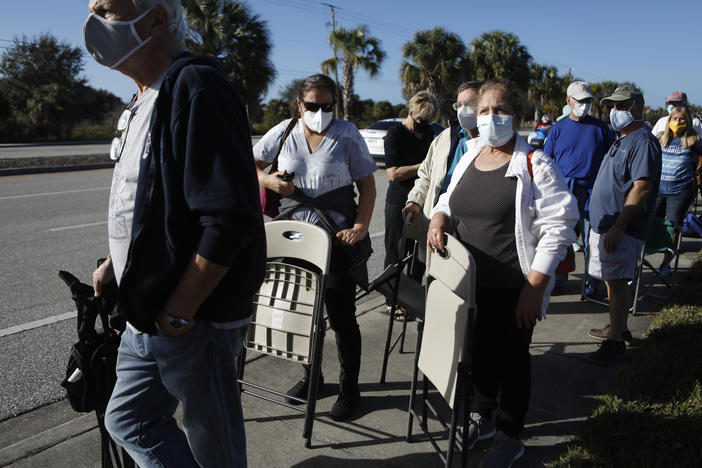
(652, 414)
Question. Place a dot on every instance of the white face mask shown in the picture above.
(112, 42)
(466, 117)
(620, 119)
(318, 121)
(670, 108)
(495, 129)
(581, 109)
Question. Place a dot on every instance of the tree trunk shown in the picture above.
(348, 88)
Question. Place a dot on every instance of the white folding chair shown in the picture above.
(443, 345)
(288, 320)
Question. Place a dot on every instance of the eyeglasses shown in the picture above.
(314, 107)
(458, 105)
(120, 138)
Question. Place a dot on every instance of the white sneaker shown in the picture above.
(505, 450)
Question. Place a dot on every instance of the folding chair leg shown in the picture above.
(315, 371)
(388, 338)
(404, 333)
(413, 387)
(637, 287)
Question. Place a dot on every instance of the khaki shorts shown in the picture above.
(620, 264)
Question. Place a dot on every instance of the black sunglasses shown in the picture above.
(314, 107)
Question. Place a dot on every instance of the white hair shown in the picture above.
(176, 18)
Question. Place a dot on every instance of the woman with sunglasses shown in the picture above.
(406, 146)
(327, 157)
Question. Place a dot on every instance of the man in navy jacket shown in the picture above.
(186, 236)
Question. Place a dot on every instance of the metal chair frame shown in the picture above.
(298, 262)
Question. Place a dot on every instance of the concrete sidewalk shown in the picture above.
(565, 391)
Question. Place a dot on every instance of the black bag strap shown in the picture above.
(286, 134)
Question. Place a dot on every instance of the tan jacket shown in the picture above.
(430, 178)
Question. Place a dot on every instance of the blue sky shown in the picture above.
(632, 40)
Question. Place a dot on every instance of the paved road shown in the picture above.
(51, 222)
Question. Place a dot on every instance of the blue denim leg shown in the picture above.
(198, 370)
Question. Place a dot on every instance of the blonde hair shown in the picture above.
(688, 138)
(423, 106)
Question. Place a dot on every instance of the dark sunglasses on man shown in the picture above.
(120, 138)
(314, 107)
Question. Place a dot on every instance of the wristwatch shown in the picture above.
(176, 322)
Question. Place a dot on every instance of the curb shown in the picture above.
(48, 164)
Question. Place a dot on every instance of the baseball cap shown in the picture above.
(624, 93)
(579, 90)
(677, 96)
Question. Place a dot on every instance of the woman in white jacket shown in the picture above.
(517, 227)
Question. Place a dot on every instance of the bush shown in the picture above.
(652, 416)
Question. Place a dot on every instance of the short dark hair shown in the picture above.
(469, 85)
(513, 96)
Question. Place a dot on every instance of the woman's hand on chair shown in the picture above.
(351, 236)
(435, 235)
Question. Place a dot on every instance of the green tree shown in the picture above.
(399, 110)
(383, 110)
(43, 90)
(276, 111)
(357, 50)
(435, 60)
(499, 55)
(225, 29)
(546, 90)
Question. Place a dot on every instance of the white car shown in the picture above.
(375, 135)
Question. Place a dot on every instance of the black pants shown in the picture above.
(502, 363)
(340, 303)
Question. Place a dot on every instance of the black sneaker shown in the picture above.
(300, 389)
(610, 352)
(601, 334)
(345, 405)
(479, 428)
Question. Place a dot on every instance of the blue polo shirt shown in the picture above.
(578, 148)
(633, 157)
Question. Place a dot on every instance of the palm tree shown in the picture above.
(497, 55)
(358, 50)
(227, 30)
(546, 89)
(435, 60)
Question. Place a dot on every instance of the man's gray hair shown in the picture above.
(176, 17)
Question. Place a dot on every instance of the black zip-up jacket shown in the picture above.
(197, 193)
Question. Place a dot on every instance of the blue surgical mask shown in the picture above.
(112, 42)
(670, 108)
(620, 119)
(495, 129)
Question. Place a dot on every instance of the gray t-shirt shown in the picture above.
(340, 159)
(125, 178)
(633, 157)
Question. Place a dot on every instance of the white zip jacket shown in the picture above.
(545, 215)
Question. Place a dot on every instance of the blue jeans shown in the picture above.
(197, 370)
(674, 207)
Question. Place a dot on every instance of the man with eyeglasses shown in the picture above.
(186, 240)
(435, 171)
(621, 211)
(675, 99)
(577, 144)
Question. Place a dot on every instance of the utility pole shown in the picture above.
(337, 109)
